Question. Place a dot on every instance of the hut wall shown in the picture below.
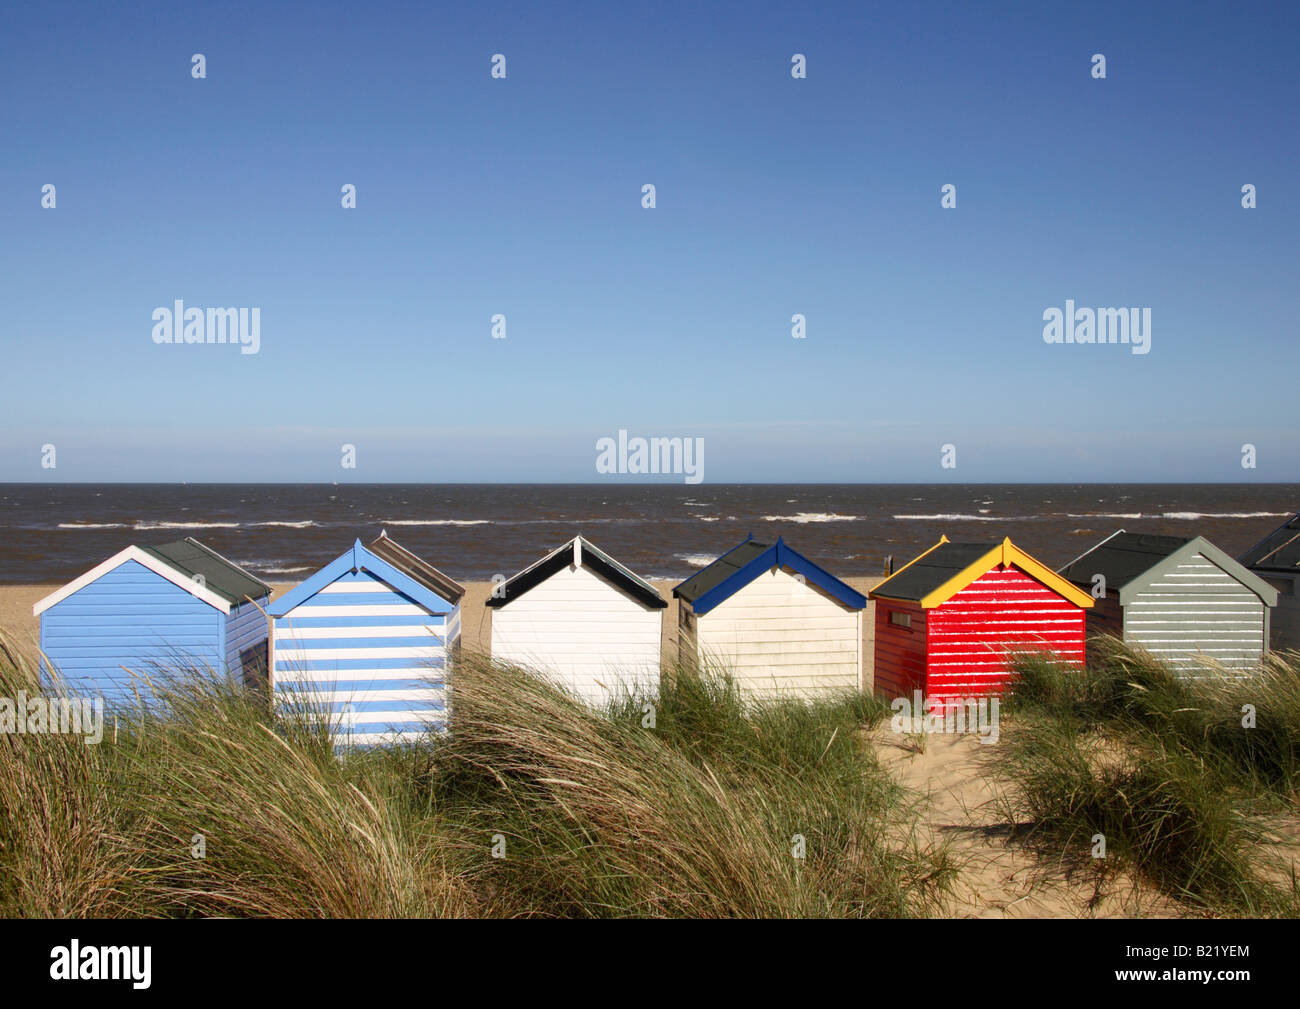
(972, 636)
(900, 651)
(129, 617)
(582, 632)
(1194, 610)
(246, 640)
(1106, 615)
(780, 636)
(370, 656)
(1284, 621)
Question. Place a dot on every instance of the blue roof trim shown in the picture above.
(358, 558)
(782, 556)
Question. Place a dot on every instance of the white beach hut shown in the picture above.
(584, 620)
(774, 621)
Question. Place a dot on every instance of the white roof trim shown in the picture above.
(149, 561)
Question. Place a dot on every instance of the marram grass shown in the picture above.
(213, 806)
(1190, 778)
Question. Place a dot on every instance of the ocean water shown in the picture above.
(283, 532)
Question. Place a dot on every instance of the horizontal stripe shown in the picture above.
(317, 651)
(295, 622)
(407, 633)
(357, 610)
(388, 659)
(387, 708)
(362, 739)
(293, 685)
(352, 585)
(330, 693)
(392, 718)
(348, 595)
(369, 675)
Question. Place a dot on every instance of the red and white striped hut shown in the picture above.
(949, 623)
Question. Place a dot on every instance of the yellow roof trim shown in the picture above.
(1046, 575)
(871, 593)
(1006, 554)
(962, 578)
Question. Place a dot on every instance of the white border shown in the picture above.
(149, 561)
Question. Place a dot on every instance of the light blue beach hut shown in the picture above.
(174, 607)
(366, 642)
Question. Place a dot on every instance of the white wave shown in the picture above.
(1177, 516)
(436, 522)
(186, 525)
(803, 518)
(282, 571)
(303, 524)
(954, 517)
(92, 525)
(1224, 515)
(696, 560)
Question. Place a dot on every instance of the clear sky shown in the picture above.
(523, 196)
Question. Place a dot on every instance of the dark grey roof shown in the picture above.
(918, 579)
(593, 558)
(225, 578)
(720, 570)
(1279, 551)
(1122, 557)
(416, 568)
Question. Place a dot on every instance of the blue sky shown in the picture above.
(522, 196)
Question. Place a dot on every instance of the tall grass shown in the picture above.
(207, 803)
(702, 815)
(1167, 768)
(60, 853)
(202, 804)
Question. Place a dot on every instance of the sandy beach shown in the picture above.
(18, 624)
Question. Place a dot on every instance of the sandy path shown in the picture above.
(998, 878)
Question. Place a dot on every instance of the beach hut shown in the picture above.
(774, 621)
(1276, 559)
(176, 606)
(1180, 598)
(366, 642)
(584, 620)
(949, 623)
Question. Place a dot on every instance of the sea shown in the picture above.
(50, 533)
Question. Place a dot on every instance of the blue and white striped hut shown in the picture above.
(172, 607)
(367, 640)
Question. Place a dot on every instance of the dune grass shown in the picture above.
(1187, 792)
(700, 815)
(211, 805)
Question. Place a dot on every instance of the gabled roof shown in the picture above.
(578, 552)
(360, 559)
(743, 563)
(222, 576)
(946, 568)
(221, 583)
(1278, 551)
(714, 574)
(419, 569)
(1130, 561)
